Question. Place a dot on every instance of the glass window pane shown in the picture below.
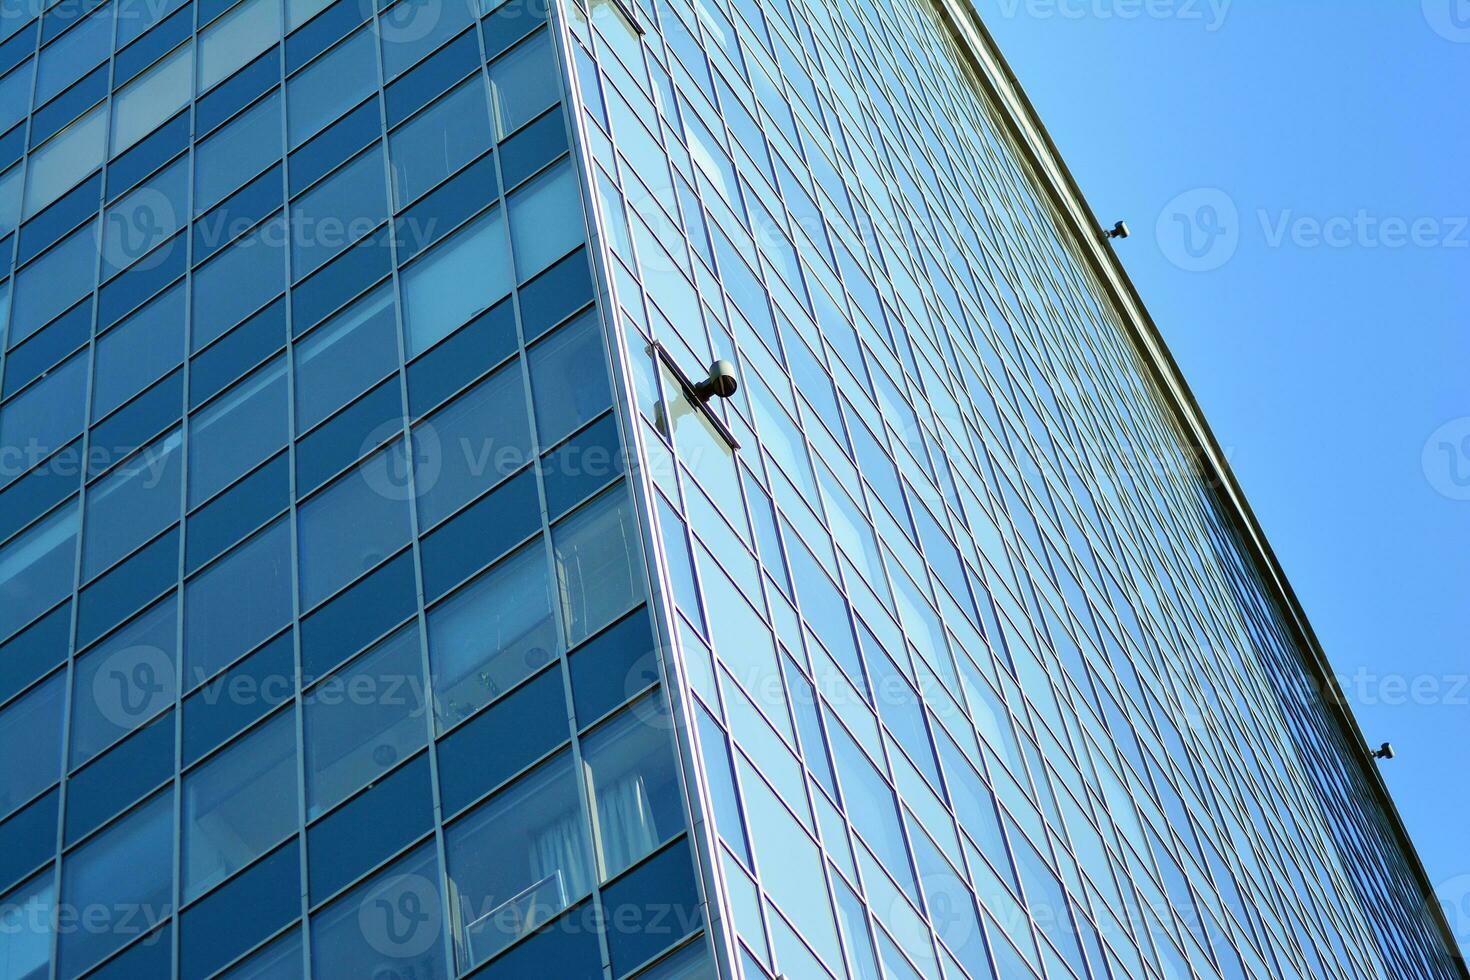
(54, 282)
(342, 358)
(461, 276)
(635, 784)
(439, 140)
(517, 861)
(65, 159)
(145, 218)
(127, 870)
(471, 444)
(33, 721)
(44, 417)
(239, 804)
(491, 634)
(133, 503)
(123, 681)
(331, 85)
(136, 16)
(237, 37)
(149, 99)
(36, 569)
(237, 431)
(72, 55)
(412, 28)
(298, 12)
(523, 83)
(25, 933)
(250, 143)
(237, 603)
(574, 351)
(546, 219)
(239, 281)
(281, 960)
(596, 568)
(145, 347)
(15, 94)
(11, 183)
(338, 211)
(364, 719)
(392, 925)
(353, 525)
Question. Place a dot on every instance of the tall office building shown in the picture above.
(388, 589)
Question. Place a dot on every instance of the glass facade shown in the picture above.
(380, 598)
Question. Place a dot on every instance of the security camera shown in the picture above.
(721, 382)
(1119, 230)
(1384, 751)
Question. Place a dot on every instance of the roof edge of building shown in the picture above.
(1020, 117)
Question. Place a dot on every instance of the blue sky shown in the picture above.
(1297, 177)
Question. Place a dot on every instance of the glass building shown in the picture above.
(384, 595)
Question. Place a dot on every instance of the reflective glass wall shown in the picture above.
(981, 680)
(324, 647)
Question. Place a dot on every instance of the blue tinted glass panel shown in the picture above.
(242, 913)
(393, 924)
(353, 525)
(584, 464)
(546, 219)
(533, 147)
(34, 721)
(663, 890)
(369, 828)
(367, 610)
(517, 860)
(239, 281)
(364, 719)
(491, 635)
(45, 348)
(488, 339)
(237, 37)
(239, 804)
(244, 148)
(142, 349)
(488, 527)
(522, 83)
(440, 140)
(337, 212)
(126, 867)
(339, 79)
(132, 503)
(574, 351)
(119, 777)
(36, 569)
(597, 564)
(472, 443)
(25, 943)
(28, 656)
(411, 29)
(237, 602)
(53, 282)
(145, 218)
(240, 429)
(458, 278)
(241, 509)
(281, 960)
(321, 154)
(234, 354)
(635, 784)
(354, 349)
(124, 681)
(152, 97)
(332, 447)
(128, 587)
(612, 665)
(237, 698)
